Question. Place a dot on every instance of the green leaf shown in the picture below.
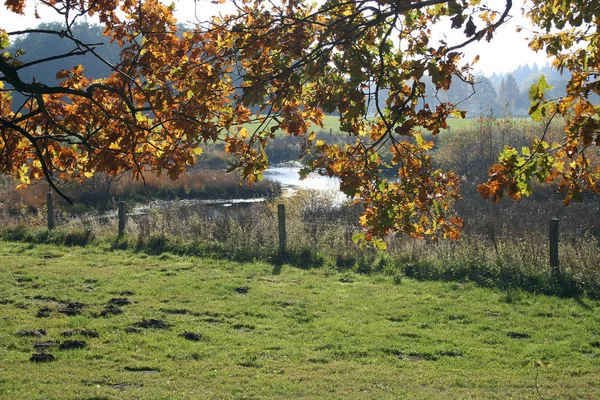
(379, 244)
(358, 237)
(4, 42)
(538, 89)
(524, 188)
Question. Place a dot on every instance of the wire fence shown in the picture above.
(318, 232)
(318, 224)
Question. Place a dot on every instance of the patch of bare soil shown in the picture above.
(72, 344)
(152, 323)
(42, 357)
(82, 332)
(33, 333)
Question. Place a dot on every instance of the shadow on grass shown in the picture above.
(485, 274)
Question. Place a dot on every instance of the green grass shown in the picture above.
(331, 123)
(290, 333)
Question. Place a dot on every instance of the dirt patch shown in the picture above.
(142, 369)
(410, 335)
(284, 304)
(82, 332)
(75, 304)
(412, 356)
(24, 279)
(450, 353)
(518, 335)
(249, 364)
(33, 333)
(243, 327)
(176, 311)
(121, 386)
(111, 310)
(42, 357)
(133, 330)
(127, 293)
(70, 311)
(194, 337)
(44, 312)
(119, 301)
(242, 289)
(48, 256)
(595, 344)
(318, 360)
(152, 323)
(72, 344)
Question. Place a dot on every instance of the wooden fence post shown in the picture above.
(50, 210)
(122, 218)
(282, 235)
(554, 244)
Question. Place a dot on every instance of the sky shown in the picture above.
(507, 51)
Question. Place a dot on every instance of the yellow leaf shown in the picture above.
(88, 174)
(363, 220)
(198, 151)
(22, 174)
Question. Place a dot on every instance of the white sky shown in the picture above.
(506, 52)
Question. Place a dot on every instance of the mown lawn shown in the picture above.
(124, 325)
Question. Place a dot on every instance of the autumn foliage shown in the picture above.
(171, 92)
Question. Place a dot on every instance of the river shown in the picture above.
(287, 175)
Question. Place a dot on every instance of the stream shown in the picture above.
(286, 175)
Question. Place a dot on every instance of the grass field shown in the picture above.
(331, 123)
(124, 325)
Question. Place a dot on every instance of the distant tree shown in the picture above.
(486, 97)
(522, 72)
(509, 92)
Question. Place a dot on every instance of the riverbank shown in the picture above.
(100, 193)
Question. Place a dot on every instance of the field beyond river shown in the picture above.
(95, 323)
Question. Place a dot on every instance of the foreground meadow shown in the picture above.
(89, 323)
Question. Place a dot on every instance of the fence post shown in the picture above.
(554, 244)
(122, 218)
(282, 236)
(50, 210)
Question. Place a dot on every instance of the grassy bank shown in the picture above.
(493, 252)
(125, 325)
